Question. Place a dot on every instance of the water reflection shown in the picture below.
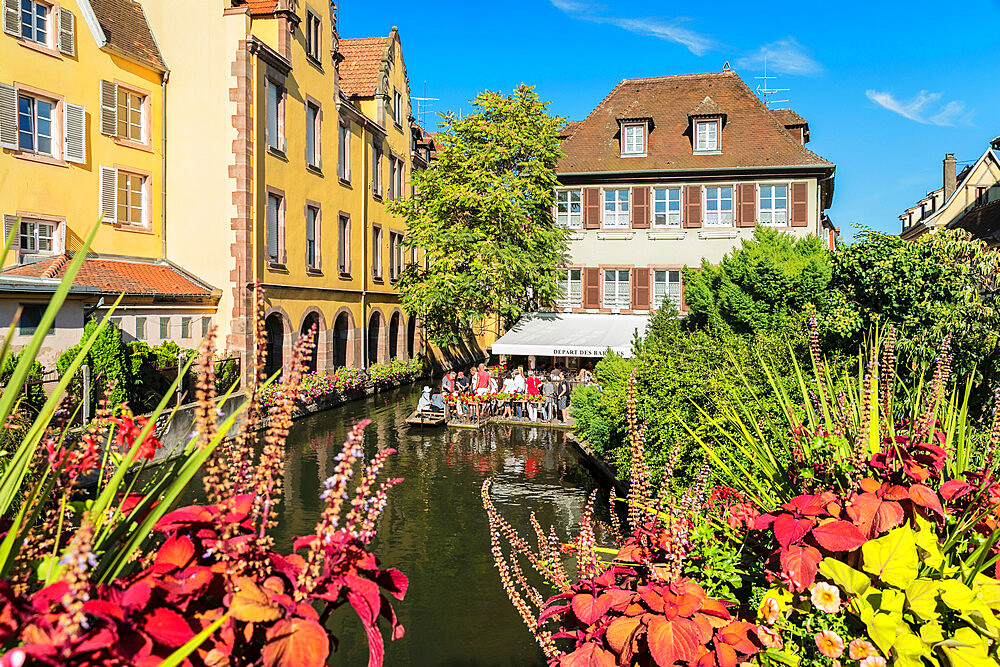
(434, 528)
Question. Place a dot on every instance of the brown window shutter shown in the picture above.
(800, 205)
(640, 208)
(640, 289)
(591, 208)
(746, 212)
(591, 287)
(692, 206)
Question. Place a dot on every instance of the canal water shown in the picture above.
(434, 529)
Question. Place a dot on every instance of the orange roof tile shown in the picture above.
(788, 118)
(362, 63)
(126, 29)
(117, 276)
(751, 136)
(258, 7)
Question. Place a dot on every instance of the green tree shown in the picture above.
(764, 285)
(945, 282)
(482, 213)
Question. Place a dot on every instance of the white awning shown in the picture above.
(571, 335)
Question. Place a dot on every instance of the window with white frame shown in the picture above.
(569, 208)
(616, 213)
(312, 225)
(397, 107)
(35, 25)
(274, 215)
(314, 38)
(570, 288)
(617, 288)
(35, 120)
(131, 199)
(275, 104)
(140, 328)
(344, 154)
(667, 207)
(376, 252)
(377, 171)
(719, 206)
(773, 208)
(706, 135)
(131, 124)
(313, 134)
(37, 237)
(634, 139)
(667, 288)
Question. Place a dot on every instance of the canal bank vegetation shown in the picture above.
(118, 574)
(756, 305)
(854, 524)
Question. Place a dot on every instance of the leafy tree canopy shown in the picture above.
(764, 285)
(482, 213)
(945, 282)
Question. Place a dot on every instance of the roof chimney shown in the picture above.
(950, 177)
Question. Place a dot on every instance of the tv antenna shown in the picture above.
(424, 105)
(765, 91)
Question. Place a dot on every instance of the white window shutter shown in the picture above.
(8, 117)
(62, 238)
(9, 223)
(11, 18)
(67, 32)
(109, 194)
(109, 108)
(74, 133)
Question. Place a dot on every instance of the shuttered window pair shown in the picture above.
(617, 289)
(616, 208)
(667, 288)
(773, 205)
(124, 197)
(33, 237)
(41, 125)
(123, 112)
(31, 20)
(667, 207)
(719, 206)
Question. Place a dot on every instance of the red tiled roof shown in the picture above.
(751, 136)
(117, 276)
(258, 7)
(126, 29)
(568, 129)
(787, 117)
(362, 62)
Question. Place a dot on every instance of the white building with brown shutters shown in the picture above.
(664, 173)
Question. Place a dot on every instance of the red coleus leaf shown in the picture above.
(788, 529)
(589, 608)
(838, 536)
(955, 488)
(925, 497)
(736, 634)
(726, 656)
(588, 655)
(296, 642)
(621, 635)
(136, 596)
(800, 563)
(554, 610)
(873, 516)
(168, 627)
(811, 505)
(393, 581)
(365, 598)
(714, 607)
(176, 553)
(672, 641)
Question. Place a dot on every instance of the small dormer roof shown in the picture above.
(708, 107)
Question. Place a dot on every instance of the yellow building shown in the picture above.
(290, 143)
(81, 108)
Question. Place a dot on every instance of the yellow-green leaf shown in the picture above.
(956, 595)
(927, 541)
(845, 576)
(921, 598)
(892, 557)
(882, 630)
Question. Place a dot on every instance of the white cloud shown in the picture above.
(668, 29)
(784, 56)
(924, 107)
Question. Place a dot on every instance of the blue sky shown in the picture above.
(887, 88)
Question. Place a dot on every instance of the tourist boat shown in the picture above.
(418, 418)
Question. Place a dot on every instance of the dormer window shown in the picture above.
(634, 139)
(706, 136)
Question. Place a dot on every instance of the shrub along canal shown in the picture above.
(435, 530)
